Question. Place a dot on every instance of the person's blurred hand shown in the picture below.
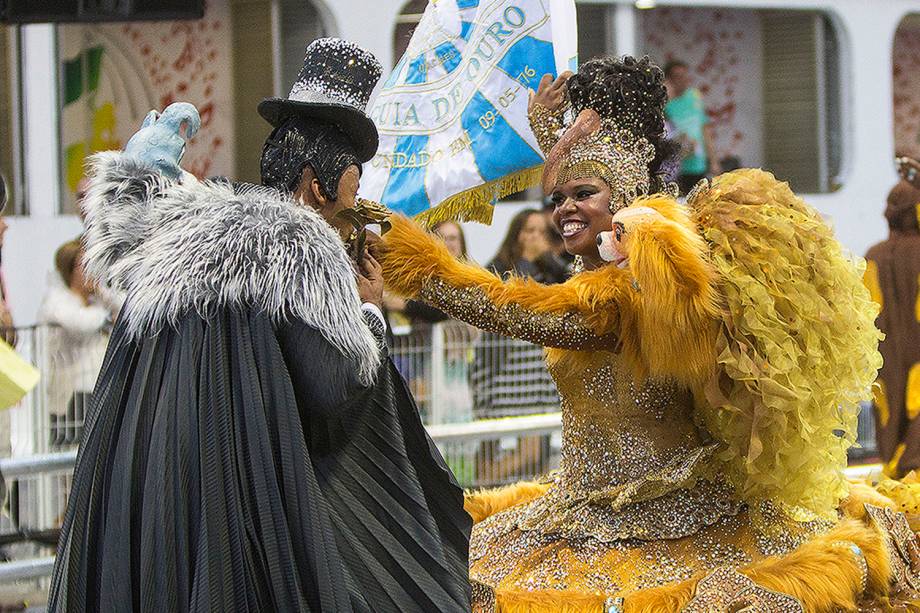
(370, 281)
(373, 244)
(909, 169)
(550, 93)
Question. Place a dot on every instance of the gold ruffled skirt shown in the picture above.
(543, 553)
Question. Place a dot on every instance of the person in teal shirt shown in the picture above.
(686, 114)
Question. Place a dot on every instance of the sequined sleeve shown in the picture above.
(472, 305)
(582, 313)
(546, 126)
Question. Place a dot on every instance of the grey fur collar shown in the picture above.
(205, 245)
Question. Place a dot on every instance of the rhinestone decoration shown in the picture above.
(336, 71)
(546, 125)
(857, 553)
(483, 597)
(628, 508)
(725, 589)
(903, 547)
(615, 155)
(471, 305)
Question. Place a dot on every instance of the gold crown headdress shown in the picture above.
(595, 147)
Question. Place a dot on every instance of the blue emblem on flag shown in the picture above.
(452, 116)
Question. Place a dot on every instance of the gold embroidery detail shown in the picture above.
(903, 548)
(472, 305)
(546, 126)
(614, 155)
(725, 589)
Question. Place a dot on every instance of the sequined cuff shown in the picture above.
(546, 126)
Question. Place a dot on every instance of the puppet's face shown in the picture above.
(161, 140)
(613, 245)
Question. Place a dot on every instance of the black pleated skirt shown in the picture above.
(201, 485)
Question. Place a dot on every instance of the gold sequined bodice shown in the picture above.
(630, 507)
(614, 429)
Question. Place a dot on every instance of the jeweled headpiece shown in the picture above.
(595, 147)
(626, 97)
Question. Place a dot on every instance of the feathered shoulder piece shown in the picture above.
(794, 349)
(797, 348)
(176, 247)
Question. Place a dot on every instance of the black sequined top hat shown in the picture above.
(334, 85)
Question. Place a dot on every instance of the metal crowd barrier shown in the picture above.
(487, 403)
(444, 435)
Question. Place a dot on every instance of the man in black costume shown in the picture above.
(249, 446)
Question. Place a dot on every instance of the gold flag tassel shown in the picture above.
(478, 203)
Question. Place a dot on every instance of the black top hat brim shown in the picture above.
(354, 123)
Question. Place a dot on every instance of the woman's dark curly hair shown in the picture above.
(632, 93)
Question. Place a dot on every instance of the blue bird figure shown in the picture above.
(159, 142)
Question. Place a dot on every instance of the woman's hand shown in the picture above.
(551, 94)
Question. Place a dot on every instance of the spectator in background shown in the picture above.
(686, 114)
(892, 271)
(417, 312)
(7, 328)
(509, 376)
(76, 343)
(452, 234)
(527, 252)
(455, 402)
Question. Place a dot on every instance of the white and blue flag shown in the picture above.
(452, 116)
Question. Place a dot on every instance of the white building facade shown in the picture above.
(823, 92)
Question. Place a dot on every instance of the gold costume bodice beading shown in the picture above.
(614, 430)
(630, 497)
(632, 461)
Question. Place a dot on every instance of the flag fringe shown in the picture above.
(477, 203)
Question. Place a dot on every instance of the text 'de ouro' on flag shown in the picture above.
(452, 116)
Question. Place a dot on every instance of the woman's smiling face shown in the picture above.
(582, 211)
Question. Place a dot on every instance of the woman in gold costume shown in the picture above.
(709, 377)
